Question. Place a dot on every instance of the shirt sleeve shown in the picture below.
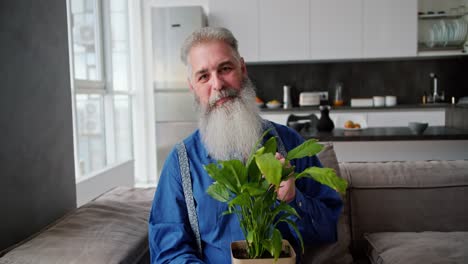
(171, 239)
(318, 205)
(319, 208)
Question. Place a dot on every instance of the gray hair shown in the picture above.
(206, 34)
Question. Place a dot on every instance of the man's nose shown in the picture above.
(217, 83)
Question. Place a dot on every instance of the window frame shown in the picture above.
(103, 86)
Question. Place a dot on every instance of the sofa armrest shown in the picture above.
(110, 229)
(411, 196)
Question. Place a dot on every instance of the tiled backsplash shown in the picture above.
(407, 79)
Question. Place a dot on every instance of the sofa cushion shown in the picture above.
(411, 196)
(337, 252)
(110, 229)
(415, 248)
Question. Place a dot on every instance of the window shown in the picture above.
(101, 73)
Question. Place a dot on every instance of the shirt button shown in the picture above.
(300, 204)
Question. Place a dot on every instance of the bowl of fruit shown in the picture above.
(350, 121)
(352, 125)
(273, 104)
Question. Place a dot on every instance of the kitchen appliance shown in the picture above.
(362, 102)
(174, 112)
(309, 98)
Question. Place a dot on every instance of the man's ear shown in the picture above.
(243, 67)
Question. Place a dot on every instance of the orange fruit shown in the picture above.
(349, 124)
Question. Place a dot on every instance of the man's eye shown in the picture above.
(203, 77)
(226, 69)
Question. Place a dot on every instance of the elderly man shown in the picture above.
(229, 126)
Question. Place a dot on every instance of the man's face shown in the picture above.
(216, 75)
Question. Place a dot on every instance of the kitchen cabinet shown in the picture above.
(284, 30)
(389, 28)
(336, 29)
(241, 17)
(277, 30)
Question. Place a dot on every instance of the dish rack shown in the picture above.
(442, 32)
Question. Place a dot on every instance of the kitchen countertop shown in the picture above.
(350, 109)
(388, 134)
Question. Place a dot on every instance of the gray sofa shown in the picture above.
(400, 212)
(395, 212)
(110, 229)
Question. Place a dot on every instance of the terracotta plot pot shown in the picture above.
(238, 245)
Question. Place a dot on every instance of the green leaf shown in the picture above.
(294, 226)
(236, 169)
(268, 246)
(250, 236)
(277, 243)
(326, 176)
(254, 148)
(270, 146)
(254, 174)
(306, 149)
(254, 189)
(215, 171)
(287, 171)
(241, 200)
(285, 208)
(218, 192)
(270, 167)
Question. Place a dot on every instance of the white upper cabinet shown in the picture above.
(241, 17)
(389, 28)
(284, 30)
(298, 30)
(336, 29)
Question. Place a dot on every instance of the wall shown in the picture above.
(407, 79)
(37, 183)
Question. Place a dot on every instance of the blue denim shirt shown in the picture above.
(171, 239)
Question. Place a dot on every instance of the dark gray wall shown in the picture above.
(407, 79)
(37, 181)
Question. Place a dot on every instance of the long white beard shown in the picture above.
(231, 130)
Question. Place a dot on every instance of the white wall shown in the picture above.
(93, 186)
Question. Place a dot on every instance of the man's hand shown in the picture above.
(287, 190)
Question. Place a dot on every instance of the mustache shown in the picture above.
(227, 92)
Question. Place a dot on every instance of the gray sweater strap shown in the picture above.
(281, 148)
(188, 194)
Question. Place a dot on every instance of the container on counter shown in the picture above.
(287, 102)
(338, 101)
(390, 100)
(379, 101)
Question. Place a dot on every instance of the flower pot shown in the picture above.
(236, 245)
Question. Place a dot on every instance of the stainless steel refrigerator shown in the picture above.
(174, 111)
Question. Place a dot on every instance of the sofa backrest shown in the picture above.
(406, 196)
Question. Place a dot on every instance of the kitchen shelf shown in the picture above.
(435, 16)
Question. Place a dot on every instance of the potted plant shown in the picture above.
(250, 192)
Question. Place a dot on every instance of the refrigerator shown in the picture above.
(174, 108)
